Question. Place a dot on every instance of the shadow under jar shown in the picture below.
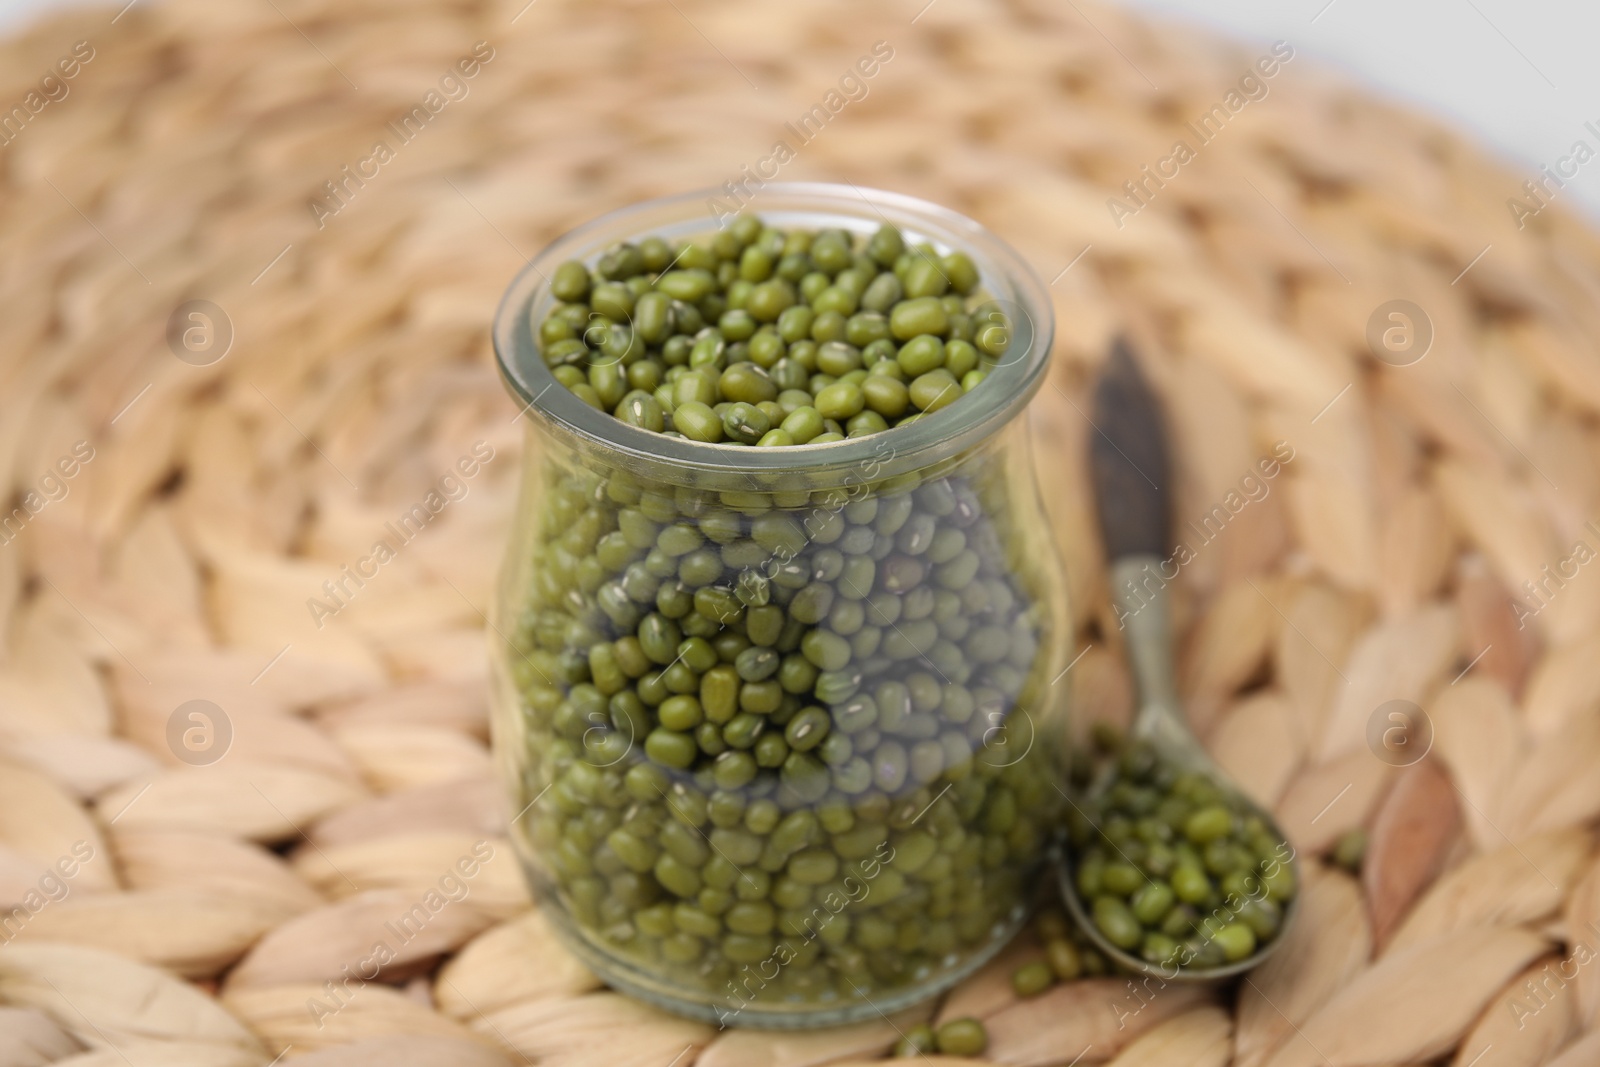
(779, 723)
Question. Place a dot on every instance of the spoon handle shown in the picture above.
(1142, 610)
(1131, 470)
(1128, 460)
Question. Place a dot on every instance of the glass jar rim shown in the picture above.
(1005, 277)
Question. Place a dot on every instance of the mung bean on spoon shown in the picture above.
(1173, 871)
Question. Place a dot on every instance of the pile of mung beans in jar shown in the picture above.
(771, 338)
(785, 742)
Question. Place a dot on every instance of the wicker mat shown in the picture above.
(202, 884)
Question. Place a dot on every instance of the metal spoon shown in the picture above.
(1129, 460)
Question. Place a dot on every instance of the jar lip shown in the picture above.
(1005, 277)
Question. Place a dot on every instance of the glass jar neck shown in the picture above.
(929, 442)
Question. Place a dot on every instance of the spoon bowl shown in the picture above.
(1166, 970)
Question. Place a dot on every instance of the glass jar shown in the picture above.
(779, 724)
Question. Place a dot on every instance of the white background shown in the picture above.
(1520, 75)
